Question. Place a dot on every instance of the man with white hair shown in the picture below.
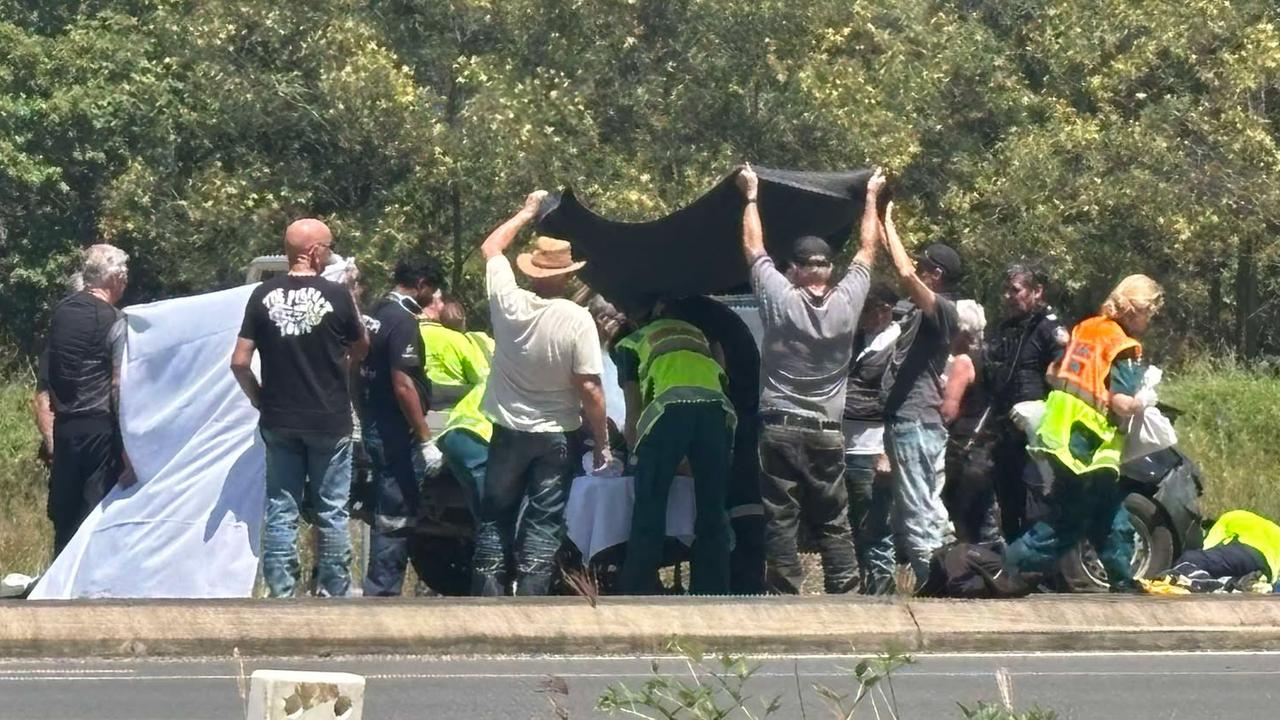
(77, 395)
(308, 333)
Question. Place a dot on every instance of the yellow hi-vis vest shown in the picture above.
(676, 366)
(1253, 530)
(458, 366)
(1080, 399)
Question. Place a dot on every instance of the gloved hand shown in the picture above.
(428, 461)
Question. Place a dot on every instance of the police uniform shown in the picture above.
(1017, 354)
(685, 414)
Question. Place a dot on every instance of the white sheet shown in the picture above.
(598, 514)
(190, 526)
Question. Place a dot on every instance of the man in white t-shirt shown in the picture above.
(544, 381)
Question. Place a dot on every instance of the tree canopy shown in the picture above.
(1096, 137)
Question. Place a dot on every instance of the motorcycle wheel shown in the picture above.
(1153, 549)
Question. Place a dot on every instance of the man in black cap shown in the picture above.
(809, 324)
(915, 437)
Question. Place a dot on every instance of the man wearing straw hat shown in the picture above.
(545, 379)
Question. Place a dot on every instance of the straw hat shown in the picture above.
(550, 257)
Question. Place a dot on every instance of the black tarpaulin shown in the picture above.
(697, 250)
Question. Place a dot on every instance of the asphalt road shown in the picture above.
(1105, 686)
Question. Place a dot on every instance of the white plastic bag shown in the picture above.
(1147, 432)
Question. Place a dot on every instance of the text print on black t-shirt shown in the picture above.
(296, 312)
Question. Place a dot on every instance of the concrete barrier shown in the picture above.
(628, 626)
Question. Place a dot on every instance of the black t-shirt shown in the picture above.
(723, 327)
(85, 344)
(395, 343)
(917, 387)
(302, 326)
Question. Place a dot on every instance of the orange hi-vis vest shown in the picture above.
(1080, 400)
(1085, 366)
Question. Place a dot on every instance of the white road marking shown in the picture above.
(903, 674)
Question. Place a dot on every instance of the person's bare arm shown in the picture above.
(592, 394)
(631, 394)
(358, 349)
(410, 405)
(920, 293)
(42, 407)
(502, 236)
(242, 368)
(752, 229)
(869, 232)
(958, 380)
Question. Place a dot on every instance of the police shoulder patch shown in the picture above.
(1061, 335)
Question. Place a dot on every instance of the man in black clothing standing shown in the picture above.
(77, 395)
(725, 329)
(1019, 351)
(308, 334)
(397, 395)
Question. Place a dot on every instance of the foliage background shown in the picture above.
(1097, 136)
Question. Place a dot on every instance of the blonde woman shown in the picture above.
(1096, 385)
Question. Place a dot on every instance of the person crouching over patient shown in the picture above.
(1096, 386)
(676, 408)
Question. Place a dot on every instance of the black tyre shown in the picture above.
(1153, 549)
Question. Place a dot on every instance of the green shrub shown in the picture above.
(1232, 415)
(26, 535)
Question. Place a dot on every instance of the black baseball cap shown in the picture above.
(808, 248)
(942, 257)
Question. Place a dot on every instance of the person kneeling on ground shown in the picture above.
(1095, 385)
(676, 408)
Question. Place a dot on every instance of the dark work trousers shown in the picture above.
(393, 541)
(523, 466)
(86, 465)
(802, 480)
(1020, 489)
(969, 493)
(1233, 559)
(699, 432)
(746, 511)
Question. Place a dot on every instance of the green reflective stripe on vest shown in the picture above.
(1062, 412)
(675, 366)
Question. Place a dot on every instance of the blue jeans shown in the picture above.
(870, 505)
(295, 459)
(523, 466)
(917, 453)
(468, 458)
(1080, 506)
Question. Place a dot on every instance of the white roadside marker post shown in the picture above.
(299, 695)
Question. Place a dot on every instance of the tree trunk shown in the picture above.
(1246, 301)
(1216, 339)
